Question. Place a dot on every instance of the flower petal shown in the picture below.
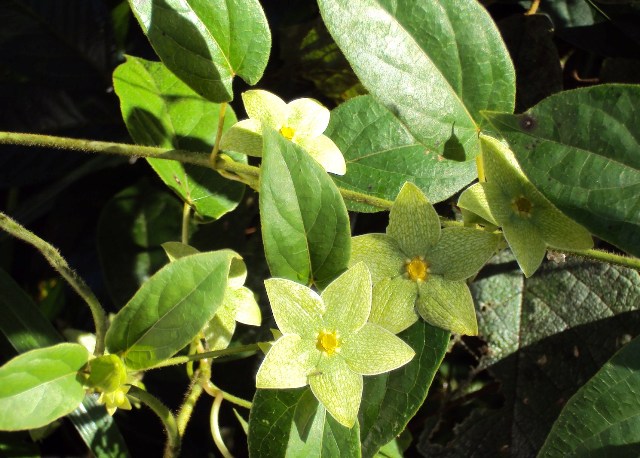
(307, 117)
(500, 166)
(338, 388)
(288, 363)
(474, 199)
(323, 150)
(413, 221)
(243, 302)
(448, 305)
(526, 243)
(380, 253)
(374, 350)
(219, 330)
(348, 300)
(559, 231)
(265, 107)
(393, 305)
(243, 137)
(296, 308)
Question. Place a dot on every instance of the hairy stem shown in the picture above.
(186, 219)
(210, 354)
(216, 146)
(53, 256)
(172, 449)
(604, 256)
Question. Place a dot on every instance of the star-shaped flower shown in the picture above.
(302, 121)
(327, 342)
(418, 265)
(530, 222)
(108, 376)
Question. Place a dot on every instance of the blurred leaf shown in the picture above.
(170, 309)
(132, 227)
(390, 400)
(580, 149)
(603, 417)
(430, 81)
(204, 46)
(546, 336)
(305, 225)
(160, 110)
(41, 385)
(382, 155)
(292, 423)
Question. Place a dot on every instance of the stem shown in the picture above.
(52, 255)
(184, 415)
(604, 256)
(215, 428)
(214, 391)
(355, 196)
(186, 218)
(533, 8)
(210, 354)
(216, 146)
(172, 449)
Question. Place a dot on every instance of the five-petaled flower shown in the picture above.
(302, 121)
(529, 221)
(327, 342)
(418, 265)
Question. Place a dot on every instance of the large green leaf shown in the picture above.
(26, 328)
(207, 44)
(41, 385)
(382, 155)
(170, 309)
(132, 227)
(420, 59)
(603, 417)
(581, 149)
(546, 336)
(160, 110)
(305, 225)
(292, 423)
(390, 400)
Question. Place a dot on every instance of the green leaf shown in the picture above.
(390, 400)
(160, 110)
(546, 336)
(131, 229)
(292, 423)
(170, 309)
(382, 155)
(205, 46)
(41, 385)
(305, 226)
(421, 61)
(581, 150)
(603, 417)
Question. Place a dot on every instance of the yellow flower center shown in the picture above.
(522, 206)
(328, 342)
(417, 269)
(287, 132)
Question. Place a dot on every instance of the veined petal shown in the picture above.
(374, 350)
(246, 309)
(526, 243)
(296, 308)
(323, 150)
(500, 167)
(448, 305)
(413, 222)
(237, 273)
(380, 253)
(559, 231)
(474, 199)
(348, 300)
(288, 363)
(338, 388)
(219, 330)
(265, 107)
(394, 301)
(243, 137)
(307, 117)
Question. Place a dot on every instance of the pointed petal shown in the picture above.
(474, 199)
(288, 363)
(323, 150)
(243, 302)
(296, 308)
(307, 117)
(413, 221)
(380, 253)
(527, 245)
(338, 388)
(448, 305)
(220, 329)
(559, 231)
(374, 350)
(393, 305)
(237, 273)
(348, 300)
(265, 107)
(500, 166)
(243, 137)
(461, 252)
